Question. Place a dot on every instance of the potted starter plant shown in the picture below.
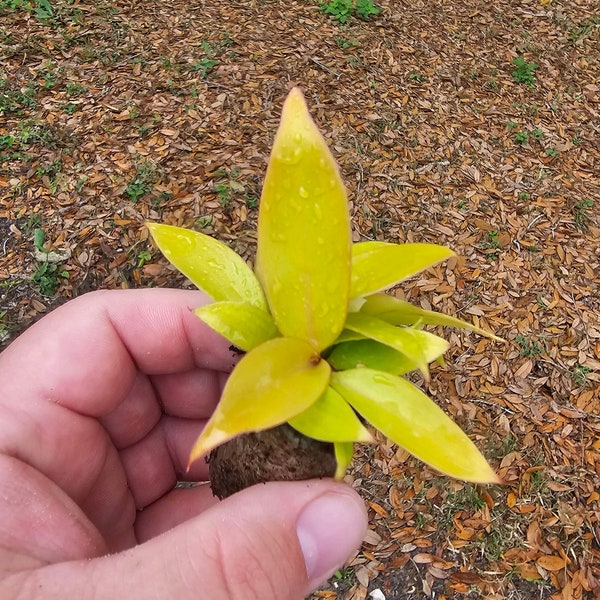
(325, 349)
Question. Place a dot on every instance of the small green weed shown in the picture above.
(69, 108)
(145, 177)
(338, 9)
(49, 174)
(204, 222)
(417, 77)
(579, 374)
(552, 152)
(344, 43)
(143, 257)
(579, 32)
(50, 170)
(16, 101)
(524, 71)
(342, 10)
(527, 347)
(511, 126)
(365, 9)
(7, 142)
(204, 65)
(41, 9)
(13, 5)
(223, 193)
(143, 130)
(251, 201)
(492, 241)
(32, 223)
(521, 137)
(38, 240)
(537, 134)
(48, 277)
(32, 132)
(581, 214)
(75, 89)
(346, 574)
(228, 185)
(523, 196)
(51, 78)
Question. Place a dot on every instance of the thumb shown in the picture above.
(270, 542)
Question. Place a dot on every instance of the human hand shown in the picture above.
(101, 402)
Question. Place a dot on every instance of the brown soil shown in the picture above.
(279, 454)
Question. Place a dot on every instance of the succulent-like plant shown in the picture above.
(322, 343)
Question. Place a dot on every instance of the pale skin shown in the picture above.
(100, 403)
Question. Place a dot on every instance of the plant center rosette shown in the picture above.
(324, 345)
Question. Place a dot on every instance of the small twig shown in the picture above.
(324, 67)
(440, 163)
(506, 410)
(534, 222)
(128, 58)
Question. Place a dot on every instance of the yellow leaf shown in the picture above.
(271, 384)
(344, 452)
(399, 312)
(407, 416)
(242, 324)
(209, 264)
(420, 347)
(378, 266)
(304, 242)
(330, 419)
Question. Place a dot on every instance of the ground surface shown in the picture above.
(113, 112)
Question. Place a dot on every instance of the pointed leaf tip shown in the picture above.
(378, 266)
(209, 264)
(304, 241)
(411, 419)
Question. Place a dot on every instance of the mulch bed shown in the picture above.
(115, 112)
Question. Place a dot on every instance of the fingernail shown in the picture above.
(329, 529)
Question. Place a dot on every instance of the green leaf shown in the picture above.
(407, 416)
(330, 419)
(304, 242)
(209, 264)
(242, 324)
(420, 347)
(399, 312)
(38, 239)
(344, 452)
(378, 266)
(270, 385)
(369, 353)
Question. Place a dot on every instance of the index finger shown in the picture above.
(85, 354)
